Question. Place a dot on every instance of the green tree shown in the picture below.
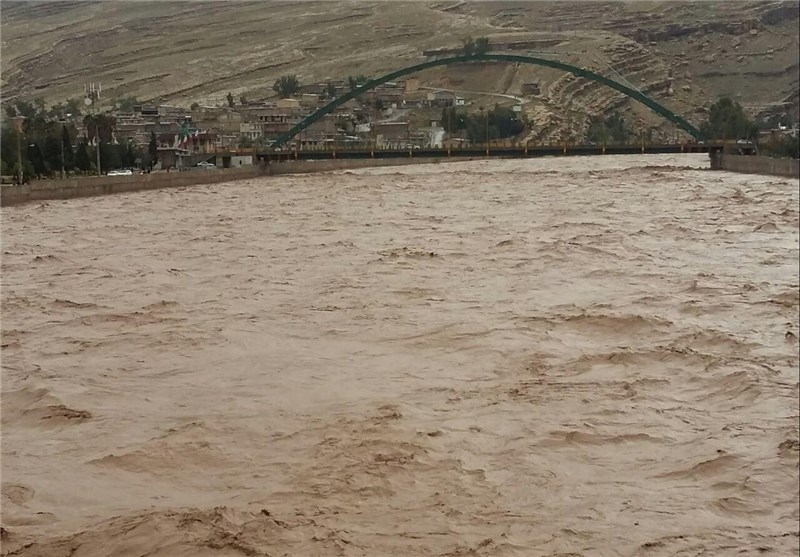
(612, 129)
(330, 90)
(727, 120)
(468, 46)
(126, 104)
(356, 81)
(242, 100)
(51, 152)
(498, 123)
(69, 155)
(152, 150)
(481, 45)
(83, 161)
(109, 157)
(230, 99)
(100, 126)
(26, 109)
(245, 142)
(194, 106)
(72, 108)
(453, 119)
(286, 85)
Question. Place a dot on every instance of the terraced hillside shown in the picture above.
(684, 54)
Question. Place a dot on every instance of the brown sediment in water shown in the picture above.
(563, 356)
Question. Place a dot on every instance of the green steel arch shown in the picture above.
(575, 70)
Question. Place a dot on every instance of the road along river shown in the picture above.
(572, 356)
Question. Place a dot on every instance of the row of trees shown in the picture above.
(71, 108)
(472, 46)
(497, 123)
(289, 85)
(47, 147)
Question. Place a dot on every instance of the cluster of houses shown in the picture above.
(374, 118)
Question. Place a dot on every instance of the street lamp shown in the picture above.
(486, 120)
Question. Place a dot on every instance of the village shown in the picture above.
(397, 115)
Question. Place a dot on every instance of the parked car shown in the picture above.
(205, 164)
(125, 172)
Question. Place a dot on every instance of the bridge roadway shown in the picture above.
(480, 151)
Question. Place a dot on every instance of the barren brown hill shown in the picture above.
(683, 54)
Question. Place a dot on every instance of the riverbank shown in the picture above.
(748, 164)
(88, 186)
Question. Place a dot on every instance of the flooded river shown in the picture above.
(567, 356)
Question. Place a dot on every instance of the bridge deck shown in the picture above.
(483, 151)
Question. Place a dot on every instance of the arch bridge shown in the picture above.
(656, 107)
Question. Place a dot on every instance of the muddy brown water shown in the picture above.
(579, 356)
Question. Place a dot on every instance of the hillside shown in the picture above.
(683, 54)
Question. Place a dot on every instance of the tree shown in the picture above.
(498, 123)
(245, 142)
(481, 45)
(343, 124)
(194, 106)
(287, 85)
(330, 90)
(608, 130)
(25, 109)
(468, 46)
(727, 120)
(230, 99)
(69, 156)
(82, 159)
(126, 104)
(453, 119)
(152, 150)
(242, 100)
(72, 108)
(51, 153)
(356, 81)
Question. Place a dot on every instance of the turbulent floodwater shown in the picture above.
(581, 356)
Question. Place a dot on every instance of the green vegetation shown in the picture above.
(245, 142)
(125, 104)
(355, 81)
(229, 96)
(330, 90)
(242, 100)
(603, 131)
(194, 106)
(472, 46)
(498, 123)
(47, 145)
(727, 120)
(286, 86)
(780, 146)
(152, 151)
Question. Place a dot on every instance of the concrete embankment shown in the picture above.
(86, 186)
(748, 164)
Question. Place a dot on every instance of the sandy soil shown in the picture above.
(585, 356)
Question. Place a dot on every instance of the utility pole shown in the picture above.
(92, 94)
(63, 127)
(487, 132)
(18, 120)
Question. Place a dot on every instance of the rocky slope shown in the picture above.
(684, 54)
